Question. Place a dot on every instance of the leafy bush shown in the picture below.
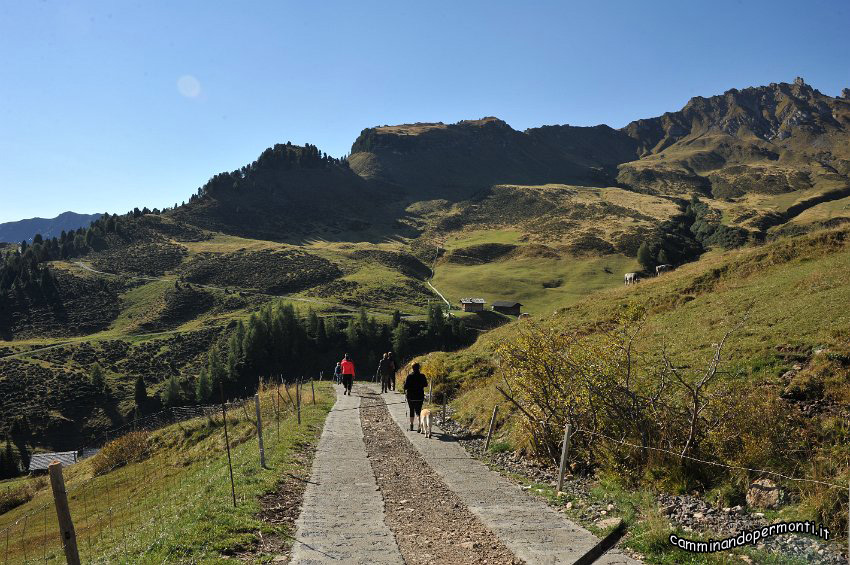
(130, 448)
(12, 497)
(500, 447)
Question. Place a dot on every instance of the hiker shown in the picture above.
(392, 369)
(338, 373)
(384, 369)
(414, 390)
(347, 370)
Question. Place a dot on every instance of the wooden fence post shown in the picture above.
(63, 513)
(298, 399)
(565, 452)
(260, 430)
(288, 395)
(277, 412)
(313, 392)
(490, 430)
(227, 443)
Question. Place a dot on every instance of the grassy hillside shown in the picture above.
(568, 279)
(172, 501)
(788, 363)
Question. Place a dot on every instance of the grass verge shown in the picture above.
(176, 505)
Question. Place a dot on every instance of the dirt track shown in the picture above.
(430, 523)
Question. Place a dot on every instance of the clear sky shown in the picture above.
(113, 104)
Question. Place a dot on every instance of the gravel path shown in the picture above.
(430, 522)
(530, 528)
(342, 517)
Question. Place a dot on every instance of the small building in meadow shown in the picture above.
(40, 461)
(472, 304)
(509, 307)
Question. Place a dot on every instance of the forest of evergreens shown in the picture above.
(280, 343)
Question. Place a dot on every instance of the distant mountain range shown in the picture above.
(15, 232)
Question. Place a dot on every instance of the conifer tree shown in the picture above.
(644, 256)
(97, 378)
(203, 388)
(173, 396)
(140, 394)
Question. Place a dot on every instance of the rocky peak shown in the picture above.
(845, 93)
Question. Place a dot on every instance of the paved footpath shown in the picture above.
(530, 528)
(342, 516)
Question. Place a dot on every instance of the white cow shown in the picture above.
(663, 269)
(631, 278)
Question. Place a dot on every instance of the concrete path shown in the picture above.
(342, 517)
(530, 528)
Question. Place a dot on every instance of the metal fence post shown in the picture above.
(63, 513)
(565, 452)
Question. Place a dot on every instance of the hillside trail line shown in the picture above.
(532, 530)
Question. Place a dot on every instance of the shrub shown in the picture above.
(500, 447)
(130, 448)
(12, 497)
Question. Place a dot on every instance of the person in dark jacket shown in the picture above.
(386, 372)
(414, 390)
(392, 368)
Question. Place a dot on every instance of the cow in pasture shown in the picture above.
(631, 278)
(663, 269)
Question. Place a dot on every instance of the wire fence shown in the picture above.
(139, 502)
(712, 463)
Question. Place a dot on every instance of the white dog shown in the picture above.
(425, 422)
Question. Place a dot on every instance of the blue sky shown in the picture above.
(109, 105)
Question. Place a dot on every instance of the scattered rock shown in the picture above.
(764, 493)
(607, 523)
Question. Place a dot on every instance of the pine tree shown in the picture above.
(97, 379)
(644, 256)
(140, 394)
(9, 466)
(396, 319)
(173, 396)
(216, 373)
(203, 388)
(313, 323)
(662, 257)
(321, 334)
(401, 342)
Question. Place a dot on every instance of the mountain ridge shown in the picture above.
(20, 230)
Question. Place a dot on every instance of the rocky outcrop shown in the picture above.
(457, 160)
(772, 139)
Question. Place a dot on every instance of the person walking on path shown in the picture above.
(338, 373)
(385, 371)
(414, 389)
(392, 369)
(347, 368)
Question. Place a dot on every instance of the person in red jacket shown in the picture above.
(347, 374)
